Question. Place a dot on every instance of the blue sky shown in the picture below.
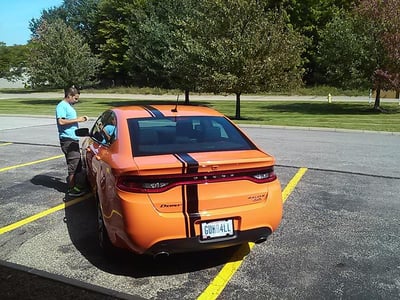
(15, 16)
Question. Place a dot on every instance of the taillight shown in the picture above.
(265, 176)
(137, 184)
(158, 184)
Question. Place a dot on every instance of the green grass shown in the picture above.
(344, 115)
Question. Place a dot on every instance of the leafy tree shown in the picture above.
(149, 41)
(13, 61)
(60, 58)
(47, 16)
(348, 52)
(114, 17)
(154, 45)
(385, 18)
(309, 17)
(238, 47)
(80, 15)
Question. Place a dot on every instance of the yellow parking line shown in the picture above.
(30, 163)
(5, 144)
(292, 184)
(42, 214)
(218, 284)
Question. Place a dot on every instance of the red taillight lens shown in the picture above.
(152, 184)
(265, 176)
(137, 184)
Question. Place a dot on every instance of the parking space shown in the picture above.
(339, 237)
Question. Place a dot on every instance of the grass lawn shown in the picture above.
(344, 115)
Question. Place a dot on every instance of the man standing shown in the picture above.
(67, 122)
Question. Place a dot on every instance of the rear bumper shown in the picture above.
(194, 244)
(141, 228)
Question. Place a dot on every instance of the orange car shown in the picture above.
(170, 179)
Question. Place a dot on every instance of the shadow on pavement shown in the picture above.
(81, 221)
(19, 282)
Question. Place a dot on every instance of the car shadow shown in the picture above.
(81, 220)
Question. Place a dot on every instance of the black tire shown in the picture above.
(104, 240)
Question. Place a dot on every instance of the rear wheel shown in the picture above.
(104, 239)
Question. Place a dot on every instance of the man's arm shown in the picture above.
(63, 121)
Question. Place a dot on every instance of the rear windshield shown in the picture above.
(154, 136)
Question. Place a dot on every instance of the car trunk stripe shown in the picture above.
(190, 196)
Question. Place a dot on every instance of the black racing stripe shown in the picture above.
(183, 196)
(184, 211)
(154, 112)
(192, 196)
(190, 166)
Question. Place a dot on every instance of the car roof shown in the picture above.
(164, 110)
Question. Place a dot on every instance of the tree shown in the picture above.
(149, 42)
(114, 17)
(13, 61)
(385, 18)
(348, 52)
(239, 46)
(309, 17)
(80, 15)
(60, 58)
(155, 45)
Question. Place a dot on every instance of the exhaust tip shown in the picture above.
(261, 240)
(161, 255)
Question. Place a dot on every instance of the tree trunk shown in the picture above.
(186, 96)
(378, 98)
(398, 94)
(237, 115)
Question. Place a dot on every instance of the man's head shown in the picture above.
(72, 94)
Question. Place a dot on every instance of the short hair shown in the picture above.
(71, 91)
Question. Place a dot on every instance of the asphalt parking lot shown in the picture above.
(339, 237)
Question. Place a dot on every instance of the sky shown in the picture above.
(15, 16)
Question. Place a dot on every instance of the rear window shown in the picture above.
(155, 136)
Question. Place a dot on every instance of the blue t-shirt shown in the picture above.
(111, 131)
(64, 110)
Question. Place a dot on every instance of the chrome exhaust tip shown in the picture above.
(161, 255)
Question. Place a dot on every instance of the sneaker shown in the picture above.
(76, 192)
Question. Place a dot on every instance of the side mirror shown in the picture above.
(82, 132)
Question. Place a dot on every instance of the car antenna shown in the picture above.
(175, 109)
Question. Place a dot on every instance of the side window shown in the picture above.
(105, 129)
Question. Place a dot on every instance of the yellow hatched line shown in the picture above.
(218, 284)
(30, 163)
(43, 214)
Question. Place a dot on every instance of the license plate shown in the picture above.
(217, 229)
